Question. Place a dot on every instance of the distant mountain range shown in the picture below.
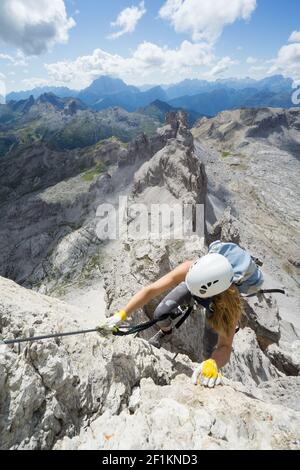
(196, 96)
(213, 102)
(61, 92)
(275, 83)
(66, 123)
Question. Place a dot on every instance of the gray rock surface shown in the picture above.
(165, 178)
(172, 176)
(248, 364)
(48, 204)
(53, 388)
(251, 158)
(88, 392)
(180, 416)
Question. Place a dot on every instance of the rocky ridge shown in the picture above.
(85, 392)
(65, 124)
(48, 207)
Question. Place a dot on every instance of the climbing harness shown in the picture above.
(145, 326)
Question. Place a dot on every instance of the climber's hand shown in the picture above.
(207, 374)
(111, 324)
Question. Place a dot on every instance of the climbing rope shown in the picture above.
(126, 331)
(39, 338)
(116, 332)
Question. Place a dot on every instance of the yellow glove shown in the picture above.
(111, 323)
(207, 373)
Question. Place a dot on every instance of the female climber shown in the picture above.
(215, 282)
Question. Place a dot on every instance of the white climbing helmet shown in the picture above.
(209, 276)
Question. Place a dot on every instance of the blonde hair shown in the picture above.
(227, 311)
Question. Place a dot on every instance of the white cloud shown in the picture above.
(295, 37)
(258, 68)
(34, 26)
(18, 59)
(186, 56)
(148, 61)
(222, 66)
(205, 19)
(288, 61)
(6, 57)
(30, 83)
(252, 60)
(128, 20)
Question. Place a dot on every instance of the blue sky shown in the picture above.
(69, 42)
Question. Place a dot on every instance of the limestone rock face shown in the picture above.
(71, 108)
(173, 176)
(143, 148)
(251, 159)
(281, 391)
(142, 265)
(226, 229)
(286, 357)
(52, 388)
(237, 128)
(175, 168)
(248, 364)
(49, 200)
(49, 196)
(90, 392)
(180, 416)
(87, 391)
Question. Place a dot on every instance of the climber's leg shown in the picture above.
(179, 296)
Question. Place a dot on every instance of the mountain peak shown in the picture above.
(103, 87)
(107, 85)
(22, 105)
(51, 98)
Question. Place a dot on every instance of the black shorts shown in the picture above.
(181, 296)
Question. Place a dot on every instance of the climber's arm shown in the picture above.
(223, 350)
(207, 373)
(167, 282)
